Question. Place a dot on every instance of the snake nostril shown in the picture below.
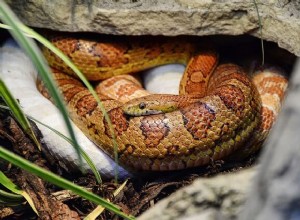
(142, 105)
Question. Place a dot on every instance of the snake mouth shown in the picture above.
(144, 113)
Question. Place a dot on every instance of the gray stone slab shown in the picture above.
(280, 19)
(207, 198)
(276, 192)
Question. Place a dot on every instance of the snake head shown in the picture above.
(150, 105)
(141, 108)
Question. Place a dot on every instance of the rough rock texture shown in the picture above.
(276, 192)
(207, 198)
(280, 18)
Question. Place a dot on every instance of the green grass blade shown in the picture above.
(99, 209)
(7, 17)
(67, 61)
(10, 197)
(83, 153)
(261, 34)
(12, 187)
(17, 112)
(57, 180)
(32, 34)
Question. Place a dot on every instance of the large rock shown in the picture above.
(280, 19)
(207, 198)
(276, 191)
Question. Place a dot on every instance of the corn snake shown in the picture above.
(221, 108)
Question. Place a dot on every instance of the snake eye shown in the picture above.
(142, 105)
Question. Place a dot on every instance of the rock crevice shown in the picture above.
(280, 19)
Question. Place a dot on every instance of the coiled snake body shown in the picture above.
(219, 110)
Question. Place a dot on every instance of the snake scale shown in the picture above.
(220, 110)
